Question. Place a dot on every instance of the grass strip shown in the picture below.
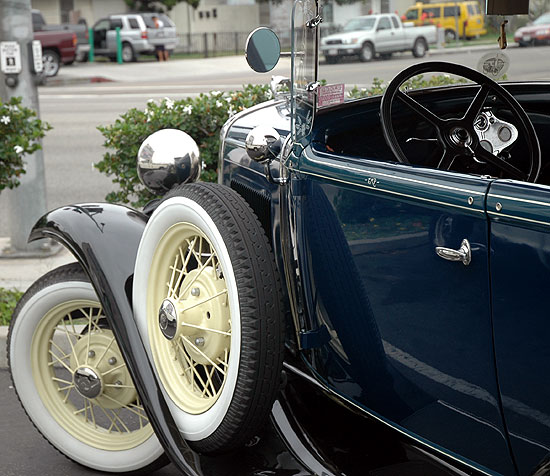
(8, 300)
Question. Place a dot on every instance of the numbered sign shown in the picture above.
(10, 57)
(36, 57)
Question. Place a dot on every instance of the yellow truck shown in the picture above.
(462, 18)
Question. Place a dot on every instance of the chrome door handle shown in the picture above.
(464, 253)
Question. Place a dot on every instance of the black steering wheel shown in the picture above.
(457, 136)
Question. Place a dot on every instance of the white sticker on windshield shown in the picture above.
(330, 94)
(494, 64)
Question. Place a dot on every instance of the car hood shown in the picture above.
(532, 29)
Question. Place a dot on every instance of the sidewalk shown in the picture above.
(149, 71)
(20, 273)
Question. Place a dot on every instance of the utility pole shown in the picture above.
(27, 202)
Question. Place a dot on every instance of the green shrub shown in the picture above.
(20, 130)
(8, 300)
(201, 117)
(417, 82)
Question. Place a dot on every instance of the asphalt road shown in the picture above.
(26, 453)
(75, 112)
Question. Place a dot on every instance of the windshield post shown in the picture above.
(304, 65)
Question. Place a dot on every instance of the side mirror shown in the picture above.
(166, 158)
(262, 50)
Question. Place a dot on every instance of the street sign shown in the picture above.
(37, 62)
(10, 57)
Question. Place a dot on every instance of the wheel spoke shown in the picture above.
(70, 343)
(202, 267)
(200, 303)
(203, 354)
(171, 282)
(106, 350)
(475, 107)
(112, 420)
(207, 329)
(419, 109)
(61, 362)
(500, 163)
(194, 373)
(127, 407)
(114, 368)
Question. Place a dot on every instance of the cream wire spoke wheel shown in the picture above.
(207, 302)
(72, 380)
(191, 332)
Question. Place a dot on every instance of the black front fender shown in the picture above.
(105, 238)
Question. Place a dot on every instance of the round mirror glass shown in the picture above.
(262, 50)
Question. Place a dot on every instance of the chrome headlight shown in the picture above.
(166, 158)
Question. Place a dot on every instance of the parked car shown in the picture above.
(138, 34)
(371, 273)
(367, 36)
(80, 29)
(464, 19)
(58, 47)
(536, 33)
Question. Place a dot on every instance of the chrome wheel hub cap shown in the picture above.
(87, 382)
(168, 319)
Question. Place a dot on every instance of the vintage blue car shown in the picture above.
(373, 274)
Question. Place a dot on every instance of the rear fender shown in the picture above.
(104, 238)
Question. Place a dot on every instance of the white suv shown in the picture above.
(138, 35)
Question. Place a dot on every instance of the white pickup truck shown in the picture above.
(382, 34)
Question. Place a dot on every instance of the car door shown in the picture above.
(384, 35)
(395, 328)
(100, 35)
(111, 36)
(519, 216)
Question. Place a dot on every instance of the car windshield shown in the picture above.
(358, 24)
(367, 61)
(543, 20)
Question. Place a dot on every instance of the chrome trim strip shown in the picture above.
(364, 171)
(327, 389)
(391, 191)
(524, 200)
(235, 142)
(497, 214)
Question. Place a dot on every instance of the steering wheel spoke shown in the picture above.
(509, 169)
(475, 107)
(420, 110)
(447, 159)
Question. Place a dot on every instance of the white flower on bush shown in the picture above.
(219, 104)
(169, 103)
(216, 93)
(5, 120)
(231, 111)
(18, 149)
(187, 109)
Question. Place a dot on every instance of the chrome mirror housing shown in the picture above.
(166, 158)
(263, 143)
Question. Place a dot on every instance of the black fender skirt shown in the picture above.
(104, 238)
